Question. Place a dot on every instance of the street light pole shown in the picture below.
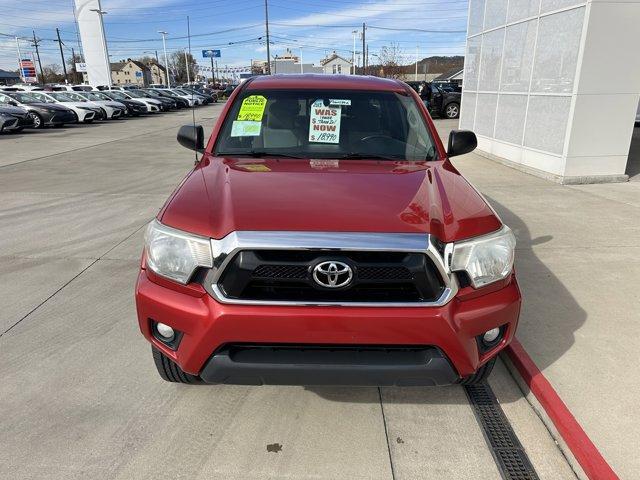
(353, 52)
(301, 67)
(166, 60)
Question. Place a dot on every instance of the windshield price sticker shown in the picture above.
(252, 108)
(245, 129)
(324, 123)
(338, 101)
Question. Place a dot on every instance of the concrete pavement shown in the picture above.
(578, 263)
(80, 396)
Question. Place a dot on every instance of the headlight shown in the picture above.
(175, 254)
(486, 259)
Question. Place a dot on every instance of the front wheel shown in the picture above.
(452, 110)
(36, 119)
(481, 375)
(170, 371)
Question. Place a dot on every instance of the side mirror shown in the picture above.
(191, 137)
(14, 103)
(461, 142)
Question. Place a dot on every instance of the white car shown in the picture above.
(84, 112)
(72, 88)
(153, 106)
(111, 108)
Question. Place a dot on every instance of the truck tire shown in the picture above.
(481, 375)
(452, 110)
(170, 371)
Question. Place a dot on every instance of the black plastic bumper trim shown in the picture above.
(323, 365)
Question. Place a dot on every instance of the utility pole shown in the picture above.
(417, 47)
(36, 43)
(157, 60)
(213, 73)
(75, 70)
(166, 60)
(266, 24)
(19, 59)
(64, 66)
(364, 50)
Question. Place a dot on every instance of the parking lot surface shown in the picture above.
(81, 397)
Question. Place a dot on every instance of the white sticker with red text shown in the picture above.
(324, 123)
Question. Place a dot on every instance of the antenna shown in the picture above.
(186, 64)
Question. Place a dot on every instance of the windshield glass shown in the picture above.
(91, 96)
(76, 97)
(117, 95)
(326, 124)
(23, 97)
(41, 97)
(62, 97)
(101, 96)
(141, 94)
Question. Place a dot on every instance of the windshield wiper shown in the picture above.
(259, 154)
(366, 156)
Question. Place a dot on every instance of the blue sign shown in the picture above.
(138, 74)
(210, 53)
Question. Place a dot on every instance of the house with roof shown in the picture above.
(452, 76)
(334, 64)
(157, 72)
(8, 78)
(131, 72)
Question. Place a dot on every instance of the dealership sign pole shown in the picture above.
(212, 54)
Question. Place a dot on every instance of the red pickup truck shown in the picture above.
(324, 238)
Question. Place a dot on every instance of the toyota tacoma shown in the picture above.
(325, 238)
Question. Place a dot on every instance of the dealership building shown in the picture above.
(534, 92)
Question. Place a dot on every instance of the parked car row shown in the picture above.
(58, 105)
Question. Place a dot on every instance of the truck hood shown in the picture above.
(223, 195)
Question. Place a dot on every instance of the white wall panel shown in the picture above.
(557, 51)
(510, 118)
(490, 60)
(472, 63)
(486, 113)
(495, 14)
(476, 16)
(520, 9)
(518, 56)
(547, 123)
(468, 110)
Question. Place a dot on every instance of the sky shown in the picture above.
(313, 28)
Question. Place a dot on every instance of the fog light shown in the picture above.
(165, 331)
(489, 336)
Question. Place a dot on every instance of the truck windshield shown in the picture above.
(326, 124)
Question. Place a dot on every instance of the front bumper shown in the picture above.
(59, 118)
(209, 328)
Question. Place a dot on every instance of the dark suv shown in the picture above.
(439, 100)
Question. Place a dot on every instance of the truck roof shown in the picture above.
(330, 82)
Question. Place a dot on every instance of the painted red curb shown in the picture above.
(586, 453)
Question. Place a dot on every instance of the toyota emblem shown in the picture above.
(332, 274)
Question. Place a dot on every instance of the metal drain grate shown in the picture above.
(512, 460)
